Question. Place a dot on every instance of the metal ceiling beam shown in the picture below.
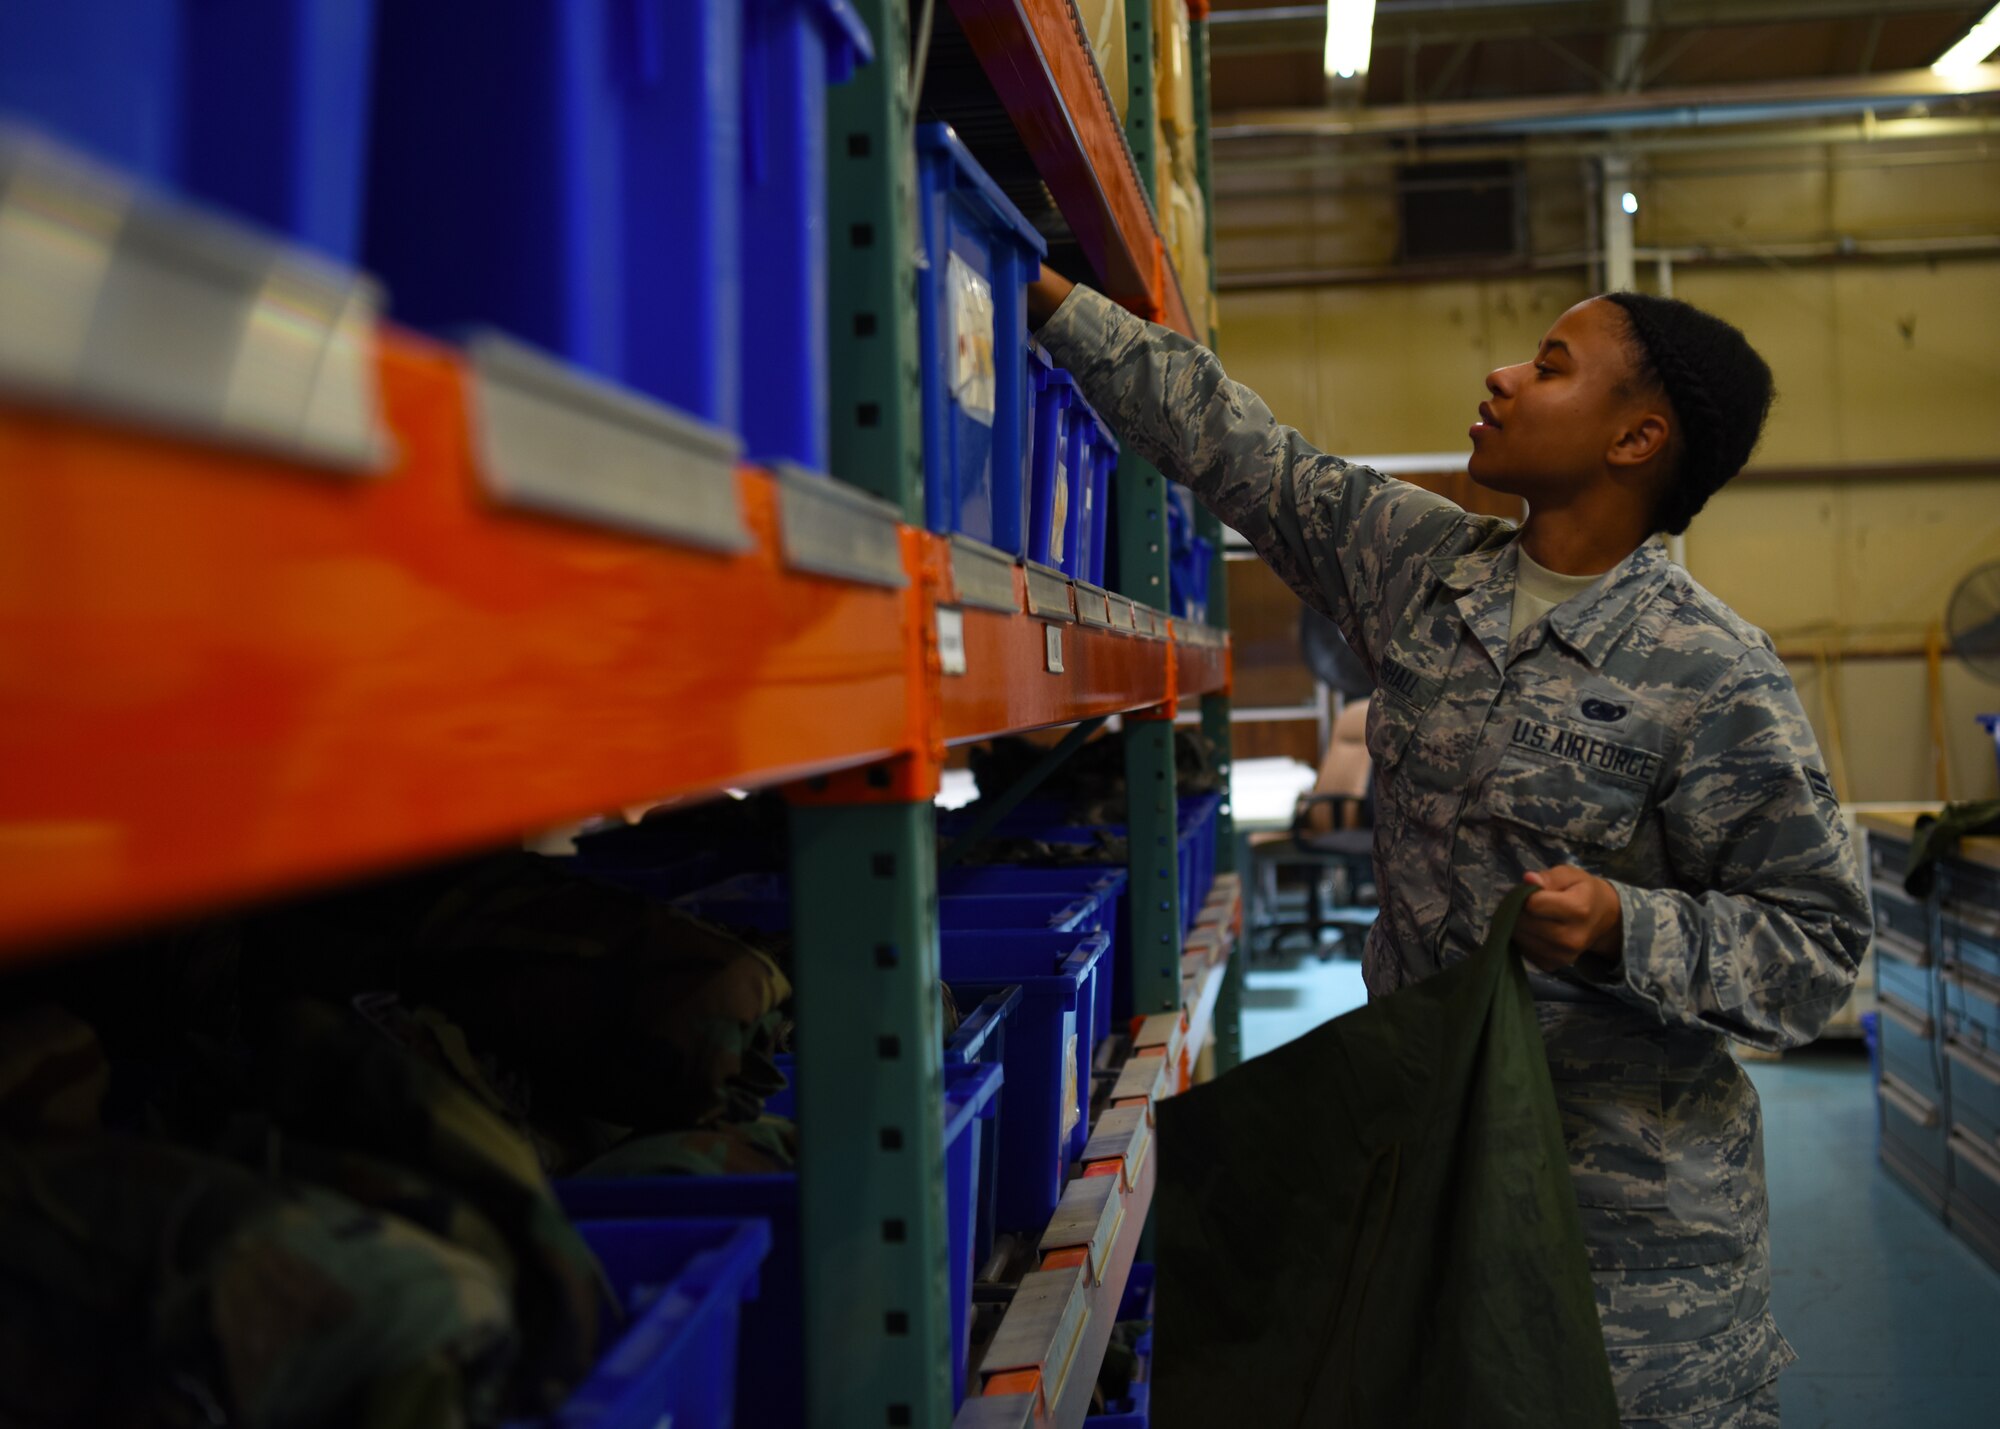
(1280, 29)
(1682, 108)
(1239, 180)
(1887, 250)
(1628, 45)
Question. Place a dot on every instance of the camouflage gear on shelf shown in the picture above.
(607, 1001)
(53, 1074)
(145, 1285)
(1090, 784)
(766, 1146)
(1039, 853)
(1936, 837)
(1642, 732)
(388, 1122)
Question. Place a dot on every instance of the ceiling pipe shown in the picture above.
(1659, 109)
(1887, 250)
(1718, 12)
(1852, 132)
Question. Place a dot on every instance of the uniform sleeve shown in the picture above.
(1763, 936)
(1348, 539)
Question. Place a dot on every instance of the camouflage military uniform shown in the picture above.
(1641, 731)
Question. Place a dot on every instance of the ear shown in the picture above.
(1640, 440)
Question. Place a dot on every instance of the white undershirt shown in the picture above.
(1539, 590)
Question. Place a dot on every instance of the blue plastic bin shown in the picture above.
(1105, 885)
(1082, 554)
(1043, 1124)
(636, 185)
(1039, 366)
(1054, 480)
(770, 1375)
(981, 1040)
(762, 902)
(682, 1285)
(258, 106)
(1097, 507)
(569, 171)
(793, 49)
(972, 312)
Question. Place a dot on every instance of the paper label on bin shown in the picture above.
(1071, 1112)
(972, 375)
(1059, 519)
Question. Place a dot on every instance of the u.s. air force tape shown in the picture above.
(1620, 761)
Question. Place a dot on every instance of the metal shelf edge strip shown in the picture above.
(1042, 1329)
(984, 576)
(1089, 1214)
(1049, 594)
(996, 1411)
(829, 528)
(551, 438)
(1140, 1077)
(1124, 617)
(127, 302)
(1093, 605)
(1122, 1132)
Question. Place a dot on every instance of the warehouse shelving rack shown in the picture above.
(372, 600)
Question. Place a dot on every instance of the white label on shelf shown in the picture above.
(951, 639)
(1053, 634)
(972, 374)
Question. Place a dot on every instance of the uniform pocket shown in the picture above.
(1567, 795)
(1390, 725)
(1608, 1094)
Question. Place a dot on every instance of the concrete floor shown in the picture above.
(1896, 1323)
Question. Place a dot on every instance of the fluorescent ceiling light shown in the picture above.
(1969, 53)
(1350, 35)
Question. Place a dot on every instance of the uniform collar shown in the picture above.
(1590, 624)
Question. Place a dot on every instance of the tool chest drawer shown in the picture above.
(1911, 983)
(1898, 914)
(1973, 1077)
(1887, 859)
(1914, 1140)
(1910, 1049)
(1969, 935)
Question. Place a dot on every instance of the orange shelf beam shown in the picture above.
(224, 676)
(1103, 673)
(1201, 669)
(1041, 67)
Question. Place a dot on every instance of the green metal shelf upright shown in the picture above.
(1142, 566)
(865, 855)
(1215, 717)
(872, 1216)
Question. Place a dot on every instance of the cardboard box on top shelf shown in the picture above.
(1173, 71)
(1104, 22)
(1189, 247)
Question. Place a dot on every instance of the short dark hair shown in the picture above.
(1719, 388)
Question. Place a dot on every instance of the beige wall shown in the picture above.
(1875, 364)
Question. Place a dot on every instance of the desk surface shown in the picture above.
(1262, 792)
